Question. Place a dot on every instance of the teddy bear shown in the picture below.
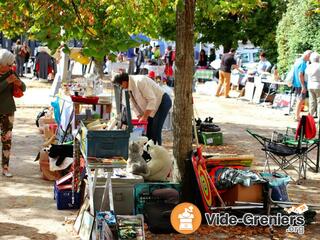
(135, 163)
(160, 165)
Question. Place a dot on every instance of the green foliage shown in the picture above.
(298, 30)
(103, 26)
(257, 24)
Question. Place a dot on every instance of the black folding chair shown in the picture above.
(284, 155)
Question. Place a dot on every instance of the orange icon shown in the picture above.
(186, 218)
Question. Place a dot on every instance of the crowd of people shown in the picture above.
(305, 79)
(141, 57)
(38, 62)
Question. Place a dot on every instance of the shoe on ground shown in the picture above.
(6, 172)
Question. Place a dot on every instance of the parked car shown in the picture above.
(248, 58)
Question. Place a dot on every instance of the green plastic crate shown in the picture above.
(212, 138)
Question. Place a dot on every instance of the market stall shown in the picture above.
(96, 150)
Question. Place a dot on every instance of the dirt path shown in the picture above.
(27, 208)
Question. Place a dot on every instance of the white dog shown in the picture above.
(160, 165)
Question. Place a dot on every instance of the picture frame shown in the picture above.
(86, 226)
(84, 207)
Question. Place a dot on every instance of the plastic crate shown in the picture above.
(100, 143)
(136, 133)
(104, 143)
(64, 199)
(143, 194)
(142, 124)
(212, 138)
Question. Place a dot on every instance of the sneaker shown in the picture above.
(6, 173)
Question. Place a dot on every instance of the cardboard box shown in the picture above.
(238, 192)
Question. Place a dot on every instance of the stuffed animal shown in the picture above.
(136, 164)
(160, 165)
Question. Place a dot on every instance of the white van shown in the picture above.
(248, 58)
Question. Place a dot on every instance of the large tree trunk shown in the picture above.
(99, 68)
(183, 108)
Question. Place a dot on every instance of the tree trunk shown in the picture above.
(99, 68)
(183, 107)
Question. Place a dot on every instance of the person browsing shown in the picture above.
(149, 102)
(228, 62)
(7, 107)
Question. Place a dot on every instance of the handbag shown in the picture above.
(16, 92)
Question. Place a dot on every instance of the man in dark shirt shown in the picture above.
(227, 63)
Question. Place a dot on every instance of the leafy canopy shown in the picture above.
(101, 25)
(298, 30)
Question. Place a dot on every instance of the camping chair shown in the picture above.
(285, 155)
(312, 144)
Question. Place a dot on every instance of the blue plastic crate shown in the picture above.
(64, 199)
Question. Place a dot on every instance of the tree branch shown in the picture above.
(80, 18)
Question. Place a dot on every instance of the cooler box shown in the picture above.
(123, 194)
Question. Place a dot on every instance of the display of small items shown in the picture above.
(208, 132)
(87, 87)
(125, 227)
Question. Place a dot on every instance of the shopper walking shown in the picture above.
(149, 102)
(313, 82)
(227, 63)
(299, 83)
(20, 52)
(8, 80)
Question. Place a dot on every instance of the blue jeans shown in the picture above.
(155, 124)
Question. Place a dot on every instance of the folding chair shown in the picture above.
(311, 144)
(284, 155)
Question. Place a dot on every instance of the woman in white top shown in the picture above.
(149, 102)
(313, 80)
